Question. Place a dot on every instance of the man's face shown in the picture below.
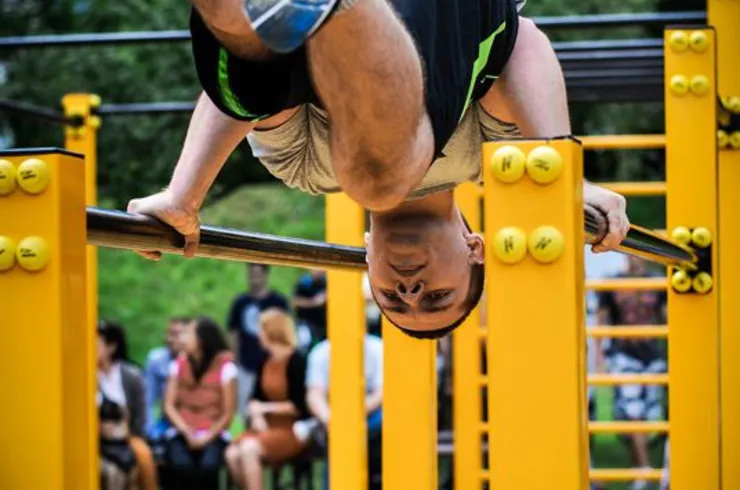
(174, 335)
(257, 277)
(420, 268)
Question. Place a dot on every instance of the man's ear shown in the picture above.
(476, 248)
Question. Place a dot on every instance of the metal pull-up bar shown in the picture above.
(116, 229)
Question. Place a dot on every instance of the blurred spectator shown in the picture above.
(243, 325)
(317, 386)
(665, 483)
(279, 401)
(372, 310)
(309, 302)
(635, 402)
(157, 371)
(200, 400)
(121, 409)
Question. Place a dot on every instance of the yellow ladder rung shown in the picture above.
(636, 189)
(628, 332)
(627, 379)
(623, 142)
(620, 427)
(611, 475)
(630, 284)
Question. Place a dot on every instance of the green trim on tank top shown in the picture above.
(227, 95)
(484, 52)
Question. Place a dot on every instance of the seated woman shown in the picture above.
(200, 401)
(279, 401)
(117, 460)
(121, 406)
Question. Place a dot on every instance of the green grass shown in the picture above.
(142, 294)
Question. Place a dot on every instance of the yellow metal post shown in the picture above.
(535, 303)
(693, 343)
(83, 140)
(48, 407)
(346, 327)
(409, 411)
(723, 16)
(466, 355)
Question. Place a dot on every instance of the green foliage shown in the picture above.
(142, 294)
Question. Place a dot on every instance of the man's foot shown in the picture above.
(284, 25)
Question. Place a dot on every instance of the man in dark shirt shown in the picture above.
(243, 324)
(309, 301)
(635, 356)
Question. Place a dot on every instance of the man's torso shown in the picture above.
(248, 309)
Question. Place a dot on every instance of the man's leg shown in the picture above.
(368, 73)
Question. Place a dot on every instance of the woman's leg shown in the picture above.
(234, 463)
(251, 456)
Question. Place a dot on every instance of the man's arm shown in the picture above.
(151, 391)
(374, 400)
(318, 404)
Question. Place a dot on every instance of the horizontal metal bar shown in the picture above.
(146, 108)
(613, 475)
(636, 189)
(618, 55)
(628, 332)
(628, 427)
(93, 39)
(607, 44)
(628, 284)
(623, 142)
(116, 229)
(38, 112)
(627, 379)
(620, 20)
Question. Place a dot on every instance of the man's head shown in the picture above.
(257, 277)
(426, 269)
(174, 333)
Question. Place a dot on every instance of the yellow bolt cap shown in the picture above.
(682, 235)
(679, 41)
(94, 122)
(734, 140)
(95, 101)
(510, 245)
(33, 175)
(7, 177)
(507, 164)
(7, 253)
(702, 283)
(32, 253)
(733, 104)
(701, 237)
(699, 85)
(680, 281)
(679, 84)
(544, 164)
(546, 244)
(723, 141)
(698, 41)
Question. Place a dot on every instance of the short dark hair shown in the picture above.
(264, 267)
(182, 319)
(113, 334)
(475, 292)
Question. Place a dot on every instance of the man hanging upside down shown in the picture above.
(388, 101)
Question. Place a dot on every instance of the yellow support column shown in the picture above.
(535, 304)
(691, 173)
(723, 16)
(466, 355)
(48, 406)
(345, 224)
(83, 140)
(409, 411)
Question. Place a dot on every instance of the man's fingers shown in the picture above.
(150, 254)
(191, 244)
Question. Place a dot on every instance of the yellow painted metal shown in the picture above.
(691, 173)
(614, 475)
(636, 189)
(627, 379)
(466, 357)
(628, 284)
(48, 410)
(627, 427)
(84, 141)
(409, 411)
(345, 224)
(623, 142)
(723, 16)
(531, 300)
(628, 332)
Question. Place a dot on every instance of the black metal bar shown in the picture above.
(621, 20)
(146, 108)
(116, 229)
(548, 23)
(38, 112)
(607, 45)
